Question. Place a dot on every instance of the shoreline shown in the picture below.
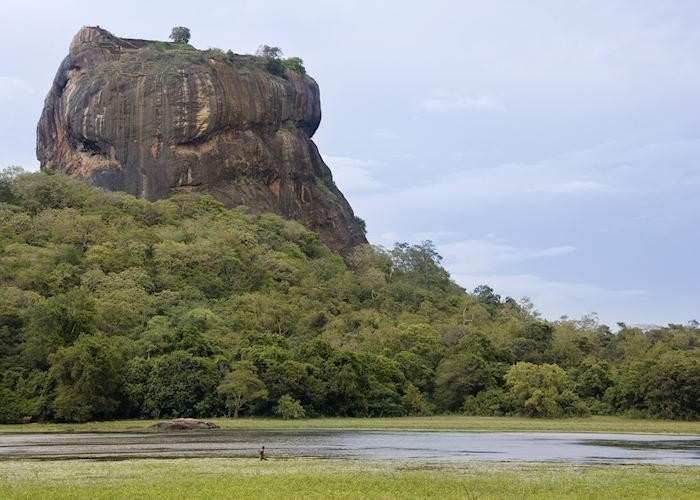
(595, 424)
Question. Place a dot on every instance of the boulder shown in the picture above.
(184, 424)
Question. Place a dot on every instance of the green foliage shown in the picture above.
(419, 264)
(115, 307)
(289, 408)
(473, 367)
(239, 388)
(361, 222)
(8, 177)
(532, 342)
(180, 34)
(62, 318)
(274, 66)
(295, 64)
(491, 402)
(272, 57)
(542, 391)
(178, 384)
(667, 386)
(269, 52)
(88, 379)
(162, 58)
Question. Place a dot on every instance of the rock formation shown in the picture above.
(154, 119)
(184, 424)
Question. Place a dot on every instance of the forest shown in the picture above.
(116, 307)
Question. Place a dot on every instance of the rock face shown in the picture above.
(155, 119)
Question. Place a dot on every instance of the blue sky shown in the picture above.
(550, 149)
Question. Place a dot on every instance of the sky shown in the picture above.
(549, 149)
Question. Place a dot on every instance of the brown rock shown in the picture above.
(155, 119)
(184, 424)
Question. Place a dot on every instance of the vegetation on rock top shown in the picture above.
(163, 57)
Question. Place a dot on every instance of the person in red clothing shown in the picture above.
(261, 452)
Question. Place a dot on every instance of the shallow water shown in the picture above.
(360, 444)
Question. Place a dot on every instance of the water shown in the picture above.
(375, 445)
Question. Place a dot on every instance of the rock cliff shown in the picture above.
(154, 119)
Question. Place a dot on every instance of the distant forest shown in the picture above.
(114, 307)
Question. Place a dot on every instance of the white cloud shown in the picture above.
(352, 174)
(480, 256)
(481, 103)
(14, 88)
(605, 170)
(572, 187)
(553, 298)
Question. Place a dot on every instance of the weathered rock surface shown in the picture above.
(153, 120)
(184, 424)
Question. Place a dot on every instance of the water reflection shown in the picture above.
(375, 445)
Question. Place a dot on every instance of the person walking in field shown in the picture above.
(261, 452)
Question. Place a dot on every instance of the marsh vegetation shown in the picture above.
(323, 479)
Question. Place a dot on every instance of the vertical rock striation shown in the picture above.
(154, 119)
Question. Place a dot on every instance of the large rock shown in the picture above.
(184, 424)
(154, 119)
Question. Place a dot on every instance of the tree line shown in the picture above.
(115, 307)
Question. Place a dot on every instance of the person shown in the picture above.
(261, 452)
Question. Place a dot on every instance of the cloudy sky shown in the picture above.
(549, 149)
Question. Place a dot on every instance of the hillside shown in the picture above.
(118, 307)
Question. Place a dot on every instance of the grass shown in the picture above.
(317, 478)
(444, 423)
(308, 478)
(168, 57)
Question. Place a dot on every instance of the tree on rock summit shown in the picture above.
(180, 34)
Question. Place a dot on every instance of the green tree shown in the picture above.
(593, 377)
(419, 264)
(88, 377)
(7, 178)
(269, 52)
(667, 386)
(415, 402)
(362, 223)
(239, 388)
(297, 64)
(273, 59)
(542, 391)
(179, 385)
(63, 318)
(532, 341)
(490, 402)
(289, 408)
(180, 34)
(461, 375)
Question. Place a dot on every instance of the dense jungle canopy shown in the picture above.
(115, 307)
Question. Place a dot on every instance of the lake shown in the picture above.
(360, 444)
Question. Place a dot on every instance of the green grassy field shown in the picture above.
(590, 424)
(307, 478)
